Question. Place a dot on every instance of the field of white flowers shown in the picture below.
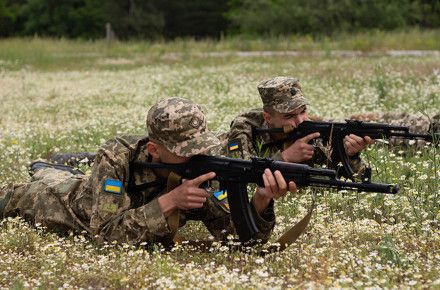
(354, 240)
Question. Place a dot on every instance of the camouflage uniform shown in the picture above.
(284, 95)
(241, 129)
(417, 123)
(65, 202)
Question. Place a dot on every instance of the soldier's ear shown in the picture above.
(266, 117)
(152, 149)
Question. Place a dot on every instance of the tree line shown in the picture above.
(168, 19)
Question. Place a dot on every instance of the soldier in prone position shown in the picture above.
(284, 104)
(116, 203)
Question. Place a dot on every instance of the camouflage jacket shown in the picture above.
(64, 202)
(241, 140)
(417, 123)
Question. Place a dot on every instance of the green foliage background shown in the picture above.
(169, 19)
(280, 17)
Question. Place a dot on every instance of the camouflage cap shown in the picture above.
(283, 94)
(180, 125)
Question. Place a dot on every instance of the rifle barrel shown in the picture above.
(360, 186)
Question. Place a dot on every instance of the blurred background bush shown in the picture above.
(170, 19)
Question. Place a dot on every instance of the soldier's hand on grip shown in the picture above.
(188, 195)
(300, 150)
(354, 144)
(275, 186)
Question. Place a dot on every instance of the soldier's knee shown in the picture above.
(5, 196)
(40, 165)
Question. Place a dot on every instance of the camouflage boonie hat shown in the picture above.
(283, 94)
(180, 125)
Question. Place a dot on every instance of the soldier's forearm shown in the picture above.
(278, 156)
(166, 204)
(260, 202)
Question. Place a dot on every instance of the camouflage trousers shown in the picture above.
(44, 200)
(5, 195)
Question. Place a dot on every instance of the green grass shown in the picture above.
(92, 91)
(66, 54)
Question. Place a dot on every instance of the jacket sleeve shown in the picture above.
(241, 132)
(265, 222)
(248, 145)
(112, 218)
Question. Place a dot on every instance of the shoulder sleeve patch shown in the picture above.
(109, 208)
(218, 195)
(221, 194)
(234, 145)
(113, 186)
(222, 201)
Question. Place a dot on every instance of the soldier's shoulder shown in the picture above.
(254, 116)
(124, 143)
(254, 113)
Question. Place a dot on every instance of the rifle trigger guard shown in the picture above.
(366, 176)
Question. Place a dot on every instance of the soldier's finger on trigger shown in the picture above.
(202, 178)
(307, 146)
(201, 192)
(310, 137)
(196, 199)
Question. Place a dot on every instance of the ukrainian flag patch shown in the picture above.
(234, 145)
(221, 194)
(113, 186)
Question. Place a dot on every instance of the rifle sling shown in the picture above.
(292, 234)
(280, 245)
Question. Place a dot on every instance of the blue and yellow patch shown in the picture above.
(113, 186)
(234, 145)
(221, 194)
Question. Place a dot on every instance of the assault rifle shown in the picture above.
(333, 133)
(235, 174)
